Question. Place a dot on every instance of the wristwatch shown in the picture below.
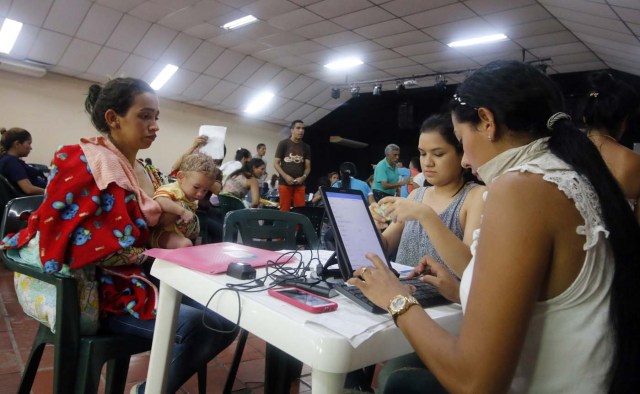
(399, 305)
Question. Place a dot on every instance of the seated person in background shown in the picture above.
(238, 183)
(348, 180)
(317, 196)
(242, 156)
(180, 199)
(609, 106)
(333, 177)
(14, 145)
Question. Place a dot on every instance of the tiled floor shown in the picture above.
(17, 332)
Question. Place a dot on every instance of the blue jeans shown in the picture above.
(407, 375)
(195, 345)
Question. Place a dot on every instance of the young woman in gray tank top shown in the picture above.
(438, 220)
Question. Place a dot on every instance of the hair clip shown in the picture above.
(458, 99)
(594, 94)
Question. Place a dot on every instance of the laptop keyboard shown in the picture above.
(427, 295)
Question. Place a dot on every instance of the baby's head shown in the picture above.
(196, 175)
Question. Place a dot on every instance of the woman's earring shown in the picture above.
(489, 138)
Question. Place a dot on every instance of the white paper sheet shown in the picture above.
(215, 143)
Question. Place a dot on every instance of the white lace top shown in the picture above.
(568, 347)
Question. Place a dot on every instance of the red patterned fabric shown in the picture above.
(80, 224)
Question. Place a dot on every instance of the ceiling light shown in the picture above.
(343, 64)
(355, 91)
(8, 34)
(409, 83)
(478, 40)
(377, 89)
(239, 22)
(259, 102)
(162, 78)
(335, 93)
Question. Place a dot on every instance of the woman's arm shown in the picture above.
(29, 188)
(510, 271)
(255, 192)
(197, 143)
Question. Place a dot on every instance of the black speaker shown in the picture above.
(405, 116)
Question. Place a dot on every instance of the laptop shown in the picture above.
(355, 235)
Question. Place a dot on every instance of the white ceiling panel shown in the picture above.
(265, 9)
(294, 19)
(483, 7)
(316, 115)
(335, 8)
(438, 16)
(404, 7)
(136, 67)
(366, 17)
(219, 92)
(49, 47)
(155, 41)
(200, 87)
(181, 49)
(243, 71)
(107, 62)
(319, 29)
(65, 16)
(128, 33)
(121, 5)
(32, 12)
(99, 23)
(286, 49)
(202, 57)
(79, 55)
(390, 27)
(224, 63)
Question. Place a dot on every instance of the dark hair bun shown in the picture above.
(92, 96)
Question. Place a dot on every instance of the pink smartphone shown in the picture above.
(303, 299)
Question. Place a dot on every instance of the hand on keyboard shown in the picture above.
(431, 272)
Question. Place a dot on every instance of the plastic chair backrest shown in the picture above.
(7, 192)
(268, 228)
(18, 211)
(315, 215)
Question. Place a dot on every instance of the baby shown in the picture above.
(180, 198)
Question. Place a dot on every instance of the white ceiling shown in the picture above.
(286, 50)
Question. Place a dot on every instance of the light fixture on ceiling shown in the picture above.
(355, 91)
(9, 34)
(245, 20)
(400, 88)
(344, 64)
(162, 78)
(377, 89)
(22, 67)
(259, 102)
(336, 139)
(478, 40)
(335, 93)
(409, 83)
(441, 82)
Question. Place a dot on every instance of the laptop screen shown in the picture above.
(354, 230)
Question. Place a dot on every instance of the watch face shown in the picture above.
(398, 303)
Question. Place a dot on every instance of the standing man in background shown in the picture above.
(386, 178)
(261, 151)
(293, 162)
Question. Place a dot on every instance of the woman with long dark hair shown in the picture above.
(238, 183)
(550, 296)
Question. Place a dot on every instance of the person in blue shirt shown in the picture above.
(14, 145)
(347, 181)
(404, 173)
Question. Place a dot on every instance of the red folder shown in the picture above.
(214, 258)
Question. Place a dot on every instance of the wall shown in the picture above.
(52, 109)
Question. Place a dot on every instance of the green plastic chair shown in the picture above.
(7, 193)
(273, 230)
(78, 359)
